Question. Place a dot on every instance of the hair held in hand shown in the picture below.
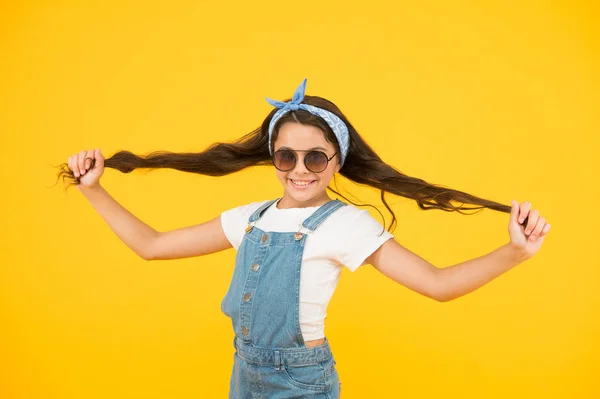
(362, 165)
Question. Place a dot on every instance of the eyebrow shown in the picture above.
(310, 149)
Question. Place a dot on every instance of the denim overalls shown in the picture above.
(271, 360)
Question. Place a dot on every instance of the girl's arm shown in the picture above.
(150, 244)
(442, 284)
(132, 231)
(201, 239)
(406, 268)
(445, 284)
(458, 280)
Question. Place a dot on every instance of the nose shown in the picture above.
(300, 167)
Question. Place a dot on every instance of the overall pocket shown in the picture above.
(311, 377)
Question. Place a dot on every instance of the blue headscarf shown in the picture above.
(337, 125)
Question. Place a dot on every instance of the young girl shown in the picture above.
(290, 250)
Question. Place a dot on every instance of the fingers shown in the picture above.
(533, 218)
(81, 162)
(99, 159)
(524, 210)
(72, 162)
(536, 225)
(546, 229)
(541, 222)
(89, 157)
(514, 211)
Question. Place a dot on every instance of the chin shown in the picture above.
(300, 196)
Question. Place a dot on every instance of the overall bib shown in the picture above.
(271, 360)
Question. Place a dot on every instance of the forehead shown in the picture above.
(301, 137)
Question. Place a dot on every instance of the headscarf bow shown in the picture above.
(337, 125)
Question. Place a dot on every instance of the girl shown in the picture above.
(290, 250)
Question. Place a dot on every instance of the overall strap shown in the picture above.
(258, 213)
(319, 216)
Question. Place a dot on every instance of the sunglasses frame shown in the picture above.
(304, 159)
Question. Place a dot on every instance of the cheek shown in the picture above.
(282, 176)
(332, 170)
(328, 178)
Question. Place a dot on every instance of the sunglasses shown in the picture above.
(315, 161)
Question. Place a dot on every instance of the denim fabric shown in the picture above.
(271, 360)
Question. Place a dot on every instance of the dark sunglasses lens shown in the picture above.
(284, 160)
(316, 161)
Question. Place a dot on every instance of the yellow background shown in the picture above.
(498, 99)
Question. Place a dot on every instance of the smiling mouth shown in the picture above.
(301, 184)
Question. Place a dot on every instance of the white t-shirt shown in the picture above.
(346, 238)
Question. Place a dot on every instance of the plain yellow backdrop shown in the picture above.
(498, 99)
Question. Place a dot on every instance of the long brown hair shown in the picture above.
(362, 164)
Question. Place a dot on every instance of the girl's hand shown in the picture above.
(528, 238)
(87, 167)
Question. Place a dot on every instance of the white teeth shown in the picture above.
(301, 183)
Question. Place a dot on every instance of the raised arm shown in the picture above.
(149, 244)
(145, 241)
(527, 231)
(201, 239)
(136, 234)
(406, 268)
(441, 284)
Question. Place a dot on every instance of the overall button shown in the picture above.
(247, 297)
(244, 330)
(255, 267)
(265, 238)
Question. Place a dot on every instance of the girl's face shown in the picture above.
(299, 138)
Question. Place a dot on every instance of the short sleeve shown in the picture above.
(235, 220)
(363, 237)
